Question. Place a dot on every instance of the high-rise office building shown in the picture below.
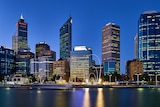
(20, 39)
(80, 63)
(136, 46)
(149, 41)
(111, 44)
(66, 39)
(41, 47)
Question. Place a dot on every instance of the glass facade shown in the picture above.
(23, 62)
(111, 44)
(149, 41)
(66, 39)
(22, 65)
(19, 40)
(80, 63)
(109, 67)
(7, 61)
(41, 67)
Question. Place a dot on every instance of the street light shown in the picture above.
(138, 78)
(156, 79)
(110, 75)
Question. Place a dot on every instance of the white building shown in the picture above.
(41, 67)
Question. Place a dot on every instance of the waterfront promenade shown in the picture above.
(71, 86)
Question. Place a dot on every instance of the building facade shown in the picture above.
(41, 47)
(49, 54)
(136, 46)
(7, 61)
(23, 62)
(134, 67)
(111, 44)
(109, 67)
(41, 68)
(20, 39)
(80, 63)
(149, 41)
(66, 39)
(61, 68)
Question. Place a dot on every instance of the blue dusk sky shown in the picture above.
(45, 17)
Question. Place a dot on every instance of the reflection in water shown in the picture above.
(7, 88)
(111, 89)
(100, 98)
(38, 91)
(39, 98)
(86, 101)
(140, 89)
(140, 97)
(60, 99)
(88, 97)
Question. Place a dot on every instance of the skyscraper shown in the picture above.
(20, 39)
(136, 46)
(111, 44)
(149, 41)
(66, 39)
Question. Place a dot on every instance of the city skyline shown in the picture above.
(45, 19)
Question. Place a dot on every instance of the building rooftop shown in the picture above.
(110, 23)
(80, 48)
(150, 12)
(5, 47)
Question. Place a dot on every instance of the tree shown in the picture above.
(1, 77)
(53, 78)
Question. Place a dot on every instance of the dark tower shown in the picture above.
(66, 39)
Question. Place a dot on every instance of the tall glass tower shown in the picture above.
(20, 40)
(66, 39)
(149, 41)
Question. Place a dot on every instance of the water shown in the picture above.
(81, 97)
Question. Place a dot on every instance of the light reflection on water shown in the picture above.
(86, 101)
(100, 98)
(81, 97)
(140, 89)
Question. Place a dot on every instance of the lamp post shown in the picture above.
(156, 78)
(110, 75)
(138, 78)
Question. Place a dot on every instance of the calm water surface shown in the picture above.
(81, 97)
